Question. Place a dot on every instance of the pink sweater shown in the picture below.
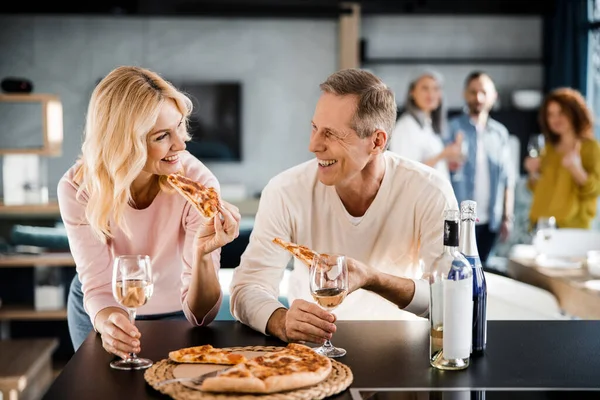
(164, 230)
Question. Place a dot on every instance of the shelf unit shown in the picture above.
(247, 207)
(37, 260)
(51, 123)
(30, 210)
(450, 61)
(27, 313)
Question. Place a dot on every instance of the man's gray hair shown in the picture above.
(376, 101)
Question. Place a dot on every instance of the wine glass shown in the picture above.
(535, 145)
(545, 227)
(132, 287)
(329, 286)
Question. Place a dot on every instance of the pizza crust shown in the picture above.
(302, 253)
(206, 354)
(275, 384)
(294, 367)
(236, 385)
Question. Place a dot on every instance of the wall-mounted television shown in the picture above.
(215, 123)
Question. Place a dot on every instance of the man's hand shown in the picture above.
(360, 275)
(303, 322)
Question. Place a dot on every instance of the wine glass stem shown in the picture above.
(327, 344)
(131, 312)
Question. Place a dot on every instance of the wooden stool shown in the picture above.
(26, 368)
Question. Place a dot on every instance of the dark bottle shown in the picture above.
(468, 247)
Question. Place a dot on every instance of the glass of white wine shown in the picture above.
(132, 287)
(535, 145)
(329, 286)
(545, 227)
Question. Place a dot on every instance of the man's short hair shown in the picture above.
(476, 75)
(376, 107)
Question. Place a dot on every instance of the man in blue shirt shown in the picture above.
(485, 175)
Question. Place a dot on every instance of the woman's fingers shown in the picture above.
(230, 223)
(119, 336)
(235, 212)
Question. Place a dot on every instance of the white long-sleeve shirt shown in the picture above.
(403, 225)
(416, 142)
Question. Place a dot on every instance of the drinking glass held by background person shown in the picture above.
(486, 175)
(565, 180)
(356, 199)
(115, 201)
(419, 130)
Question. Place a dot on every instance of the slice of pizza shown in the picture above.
(204, 199)
(302, 253)
(294, 367)
(206, 354)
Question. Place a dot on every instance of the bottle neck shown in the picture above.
(468, 242)
(450, 235)
(450, 249)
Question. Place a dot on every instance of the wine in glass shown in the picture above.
(132, 287)
(329, 286)
(545, 227)
(535, 145)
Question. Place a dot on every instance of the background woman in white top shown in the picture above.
(418, 132)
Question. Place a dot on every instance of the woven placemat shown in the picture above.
(340, 378)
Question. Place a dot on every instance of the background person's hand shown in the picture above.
(119, 336)
(453, 152)
(216, 232)
(532, 165)
(572, 159)
(307, 322)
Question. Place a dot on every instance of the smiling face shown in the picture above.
(341, 153)
(165, 141)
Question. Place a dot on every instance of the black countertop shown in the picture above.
(536, 358)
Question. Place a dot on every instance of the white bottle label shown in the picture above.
(437, 301)
(458, 318)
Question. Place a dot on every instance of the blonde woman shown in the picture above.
(419, 130)
(114, 201)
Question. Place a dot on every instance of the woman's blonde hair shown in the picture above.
(122, 111)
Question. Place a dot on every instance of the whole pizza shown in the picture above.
(293, 367)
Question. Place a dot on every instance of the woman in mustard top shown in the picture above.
(565, 180)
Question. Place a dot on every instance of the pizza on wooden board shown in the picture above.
(206, 354)
(204, 199)
(302, 253)
(293, 367)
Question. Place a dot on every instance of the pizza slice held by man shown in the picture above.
(302, 253)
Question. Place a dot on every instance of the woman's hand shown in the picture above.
(220, 230)
(572, 159)
(572, 162)
(119, 336)
(532, 165)
(454, 152)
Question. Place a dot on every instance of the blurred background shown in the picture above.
(252, 67)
